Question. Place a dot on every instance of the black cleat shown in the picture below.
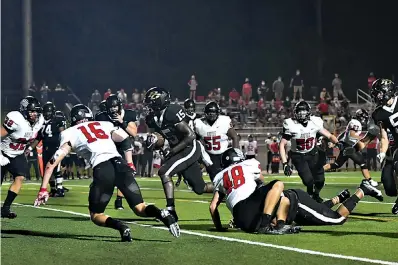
(125, 234)
(317, 198)
(368, 189)
(169, 221)
(60, 193)
(178, 182)
(344, 195)
(119, 204)
(286, 229)
(394, 209)
(53, 193)
(173, 212)
(7, 213)
(65, 189)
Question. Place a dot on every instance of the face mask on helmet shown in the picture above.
(114, 109)
(33, 116)
(211, 115)
(302, 115)
(48, 114)
(190, 110)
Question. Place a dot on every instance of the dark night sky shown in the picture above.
(99, 44)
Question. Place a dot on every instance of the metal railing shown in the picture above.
(364, 96)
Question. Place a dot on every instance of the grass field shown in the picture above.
(61, 233)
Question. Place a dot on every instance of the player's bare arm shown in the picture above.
(234, 136)
(189, 136)
(4, 132)
(384, 143)
(215, 215)
(329, 136)
(282, 149)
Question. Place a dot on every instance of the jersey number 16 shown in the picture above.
(94, 134)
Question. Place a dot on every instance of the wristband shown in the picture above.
(30, 148)
(43, 189)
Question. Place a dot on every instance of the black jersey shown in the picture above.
(387, 118)
(50, 132)
(127, 115)
(165, 123)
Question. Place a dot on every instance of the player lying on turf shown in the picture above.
(299, 207)
(94, 141)
(251, 207)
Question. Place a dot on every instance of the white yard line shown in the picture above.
(230, 239)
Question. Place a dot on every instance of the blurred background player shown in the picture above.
(302, 131)
(251, 148)
(268, 141)
(125, 119)
(18, 129)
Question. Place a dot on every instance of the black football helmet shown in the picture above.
(231, 156)
(250, 138)
(302, 112)
(382, 91)
(48, 110)
(114, 105)
(102, 106)
(190, 106)
(80, 113)
(212, 110)
(157, 99)
(30, 108)
(362, 116)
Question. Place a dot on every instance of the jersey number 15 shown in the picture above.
(94, 134)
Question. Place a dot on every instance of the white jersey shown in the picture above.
(303, 138)
(238, 181)
(345, 137)
(91, 140)
(250, 148)
(214, 136)
(20, 133)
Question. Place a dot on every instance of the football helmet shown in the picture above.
(382, 91)
(212, 110)
(250, 138)
(189, 106)
(102, 106)
(231, 156)
(157, 99)
(114, 105)
(48, 110)
(30, 108)
(362, 116)
(302, 112)
(80, 113)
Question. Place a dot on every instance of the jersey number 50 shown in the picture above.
(98, 133)
(305, 144)
(233, 178)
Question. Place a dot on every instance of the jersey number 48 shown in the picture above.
(233, 178)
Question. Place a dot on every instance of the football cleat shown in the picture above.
(119, 204)
(125, 234)
(373, 183)
(60, 193)
(232, 224)
(286, 229)
(344, 195)
(317, 198)
(169, 221)
(173, 212)
(7, 213)
(368, 189)
(394, 209)
(178, 182)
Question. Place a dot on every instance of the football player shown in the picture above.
(102, 108)
(183, 153)
(268, 141)
(18, 130)
(251, 147)
(252, 208)
(115, 113)
(49, 134)
(384, 117)
(352, 146)
(94, 140)
(214, 130)
(302, 130)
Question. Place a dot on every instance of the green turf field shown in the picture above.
(61, 233)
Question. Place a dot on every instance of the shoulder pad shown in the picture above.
(129, 115)
(174, 113)
(317, 121)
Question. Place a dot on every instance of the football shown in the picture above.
(160, 142)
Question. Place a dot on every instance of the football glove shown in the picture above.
(151, 140)
(42, 197)
(381, 157)
(287, 170)
(4, 160)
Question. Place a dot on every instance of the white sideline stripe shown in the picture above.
(230, 239)
(154, 189)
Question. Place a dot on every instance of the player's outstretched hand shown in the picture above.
(287, 169)
(381, 157)
(42, 197)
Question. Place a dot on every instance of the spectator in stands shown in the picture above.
(323, 108)
(243, 113)
(287, 105)
(337, 87)
(44, 93)
(297, 83)
(324, 95)
(217, 94)
(277, 88)
(210, 96)
(262, 90)
(136, 96)
(371, 79)
(252, 108)
(33, 90)
(233, 97)
(193, 84)
(58, 87)
(247, 90)
(223, 102)
(278, 105)
(143, 95)
(96, 98)
(335, 108)
(107, 93)
(122, 96)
